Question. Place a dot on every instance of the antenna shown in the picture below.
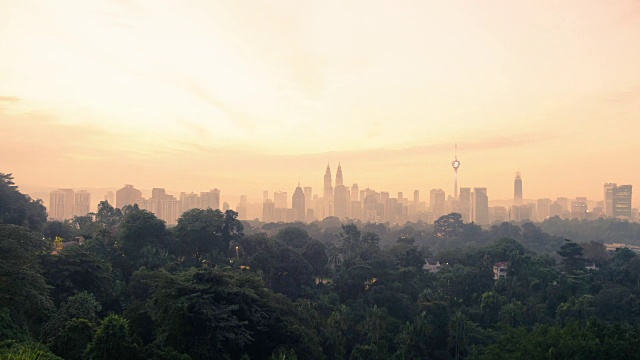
(456, 151)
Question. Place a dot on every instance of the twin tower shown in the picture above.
(335, 200)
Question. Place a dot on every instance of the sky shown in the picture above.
(246, 96)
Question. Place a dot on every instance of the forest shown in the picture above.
(120, 284)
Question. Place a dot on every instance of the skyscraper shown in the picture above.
(210, 199)
(241, 208)
(280, 199)
(608, 199)
(61, 204)
(354, 192)
(579, 208)
(128, 195)
(327, 195)
(481, 206)
(188, 201)
(622, 202)
(56, 205)
(437, 202)
(517, 189)
(82, 203)
(464, 204)
(456, 164)
(268, 210)
(340, 197)
(298, 203)
(308, 197)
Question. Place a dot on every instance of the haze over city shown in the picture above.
(254, 96)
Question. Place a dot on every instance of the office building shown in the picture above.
(517, 190)
(480, 206)
(298, 204)
(437, 203)
(128, 195)
(82, 203)
(622, 202)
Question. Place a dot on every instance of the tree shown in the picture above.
(140, 229)
(112, 341)
(79, 306)
(448, 226)
(571, 254)
(293, 236)
(315, 253)
(204, 235)
(77, 269)
(19, 209)
(23, 289)
(108, 217)
(61, 229)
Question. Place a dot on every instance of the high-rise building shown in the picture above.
(308, 197)
(579, 208)
(354, 192)
(170, 209)
(356, 209)
(339, 180)
(416, 202)
(56, 205)
(464, 204)
(82, 203)
(158, 195)
(543, 209)
(456, 164)
(521, 212)
(128, 195)
(517, 189)
(188, 201)
(480, 206)
(340, 197)
(622, 202)
(241, 208)
(437, 202)
(555, 209)
(608, 198)
(268, 211)
(146, 204)
(280, 199)
(265, 196)
(210, 199)
(298, 203)
(327, 194)
(225, 206)
(498, 214)
(341, 202)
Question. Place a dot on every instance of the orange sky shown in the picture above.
(253, 95)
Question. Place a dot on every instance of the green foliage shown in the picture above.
(78, 269)
(22, 288)
(12, 350)
(81, 306)
(203, 236)
(19, 209)
(112, 341)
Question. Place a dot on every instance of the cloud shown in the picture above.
(240, 119)
(630, 95)
(9, 99)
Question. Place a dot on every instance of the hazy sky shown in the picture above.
(253, 95)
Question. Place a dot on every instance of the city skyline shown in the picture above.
(221, 97)
(366, 204)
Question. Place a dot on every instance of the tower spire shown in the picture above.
(456, 164)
